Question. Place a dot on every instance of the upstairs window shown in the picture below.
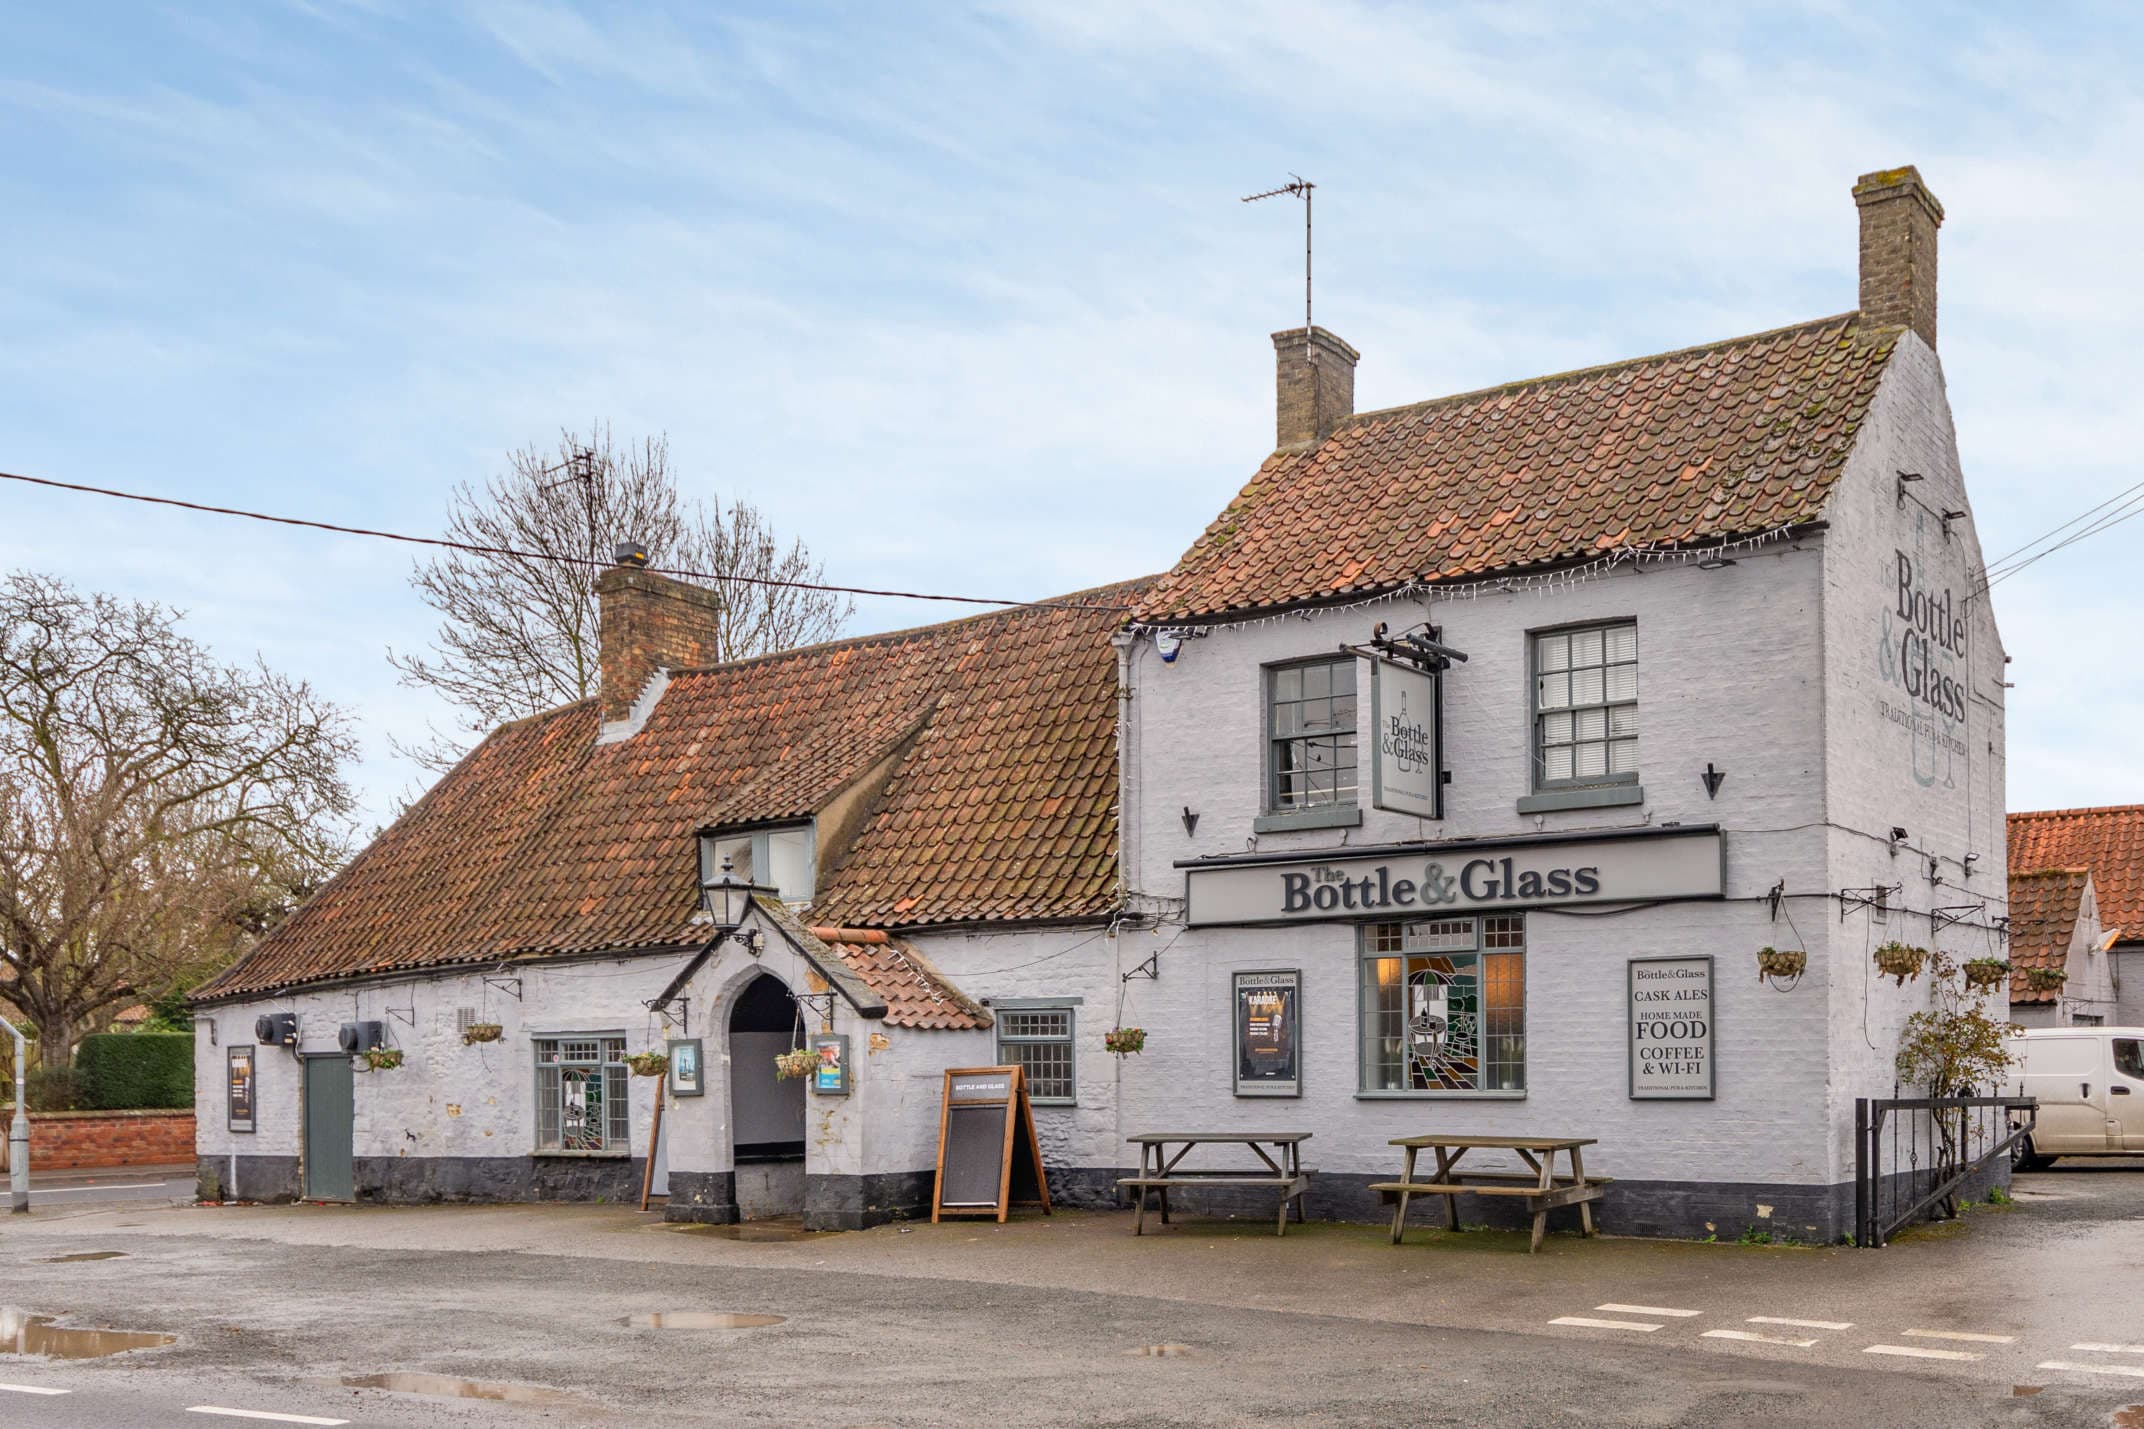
(1586, 706)
(784, 859)
(1310, 734)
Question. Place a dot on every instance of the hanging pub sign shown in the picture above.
(830, 1074)
(1269, 1021)
(988, 1158)
(1670, 1007)
(1406, 761)
(1460, 876)
(240, 1088)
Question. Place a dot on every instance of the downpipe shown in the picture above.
(18, 1132)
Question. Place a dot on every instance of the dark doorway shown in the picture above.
(766, 1111)
(330, 1119)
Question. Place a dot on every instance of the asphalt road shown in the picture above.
(1073, 1322)
(110, 1187)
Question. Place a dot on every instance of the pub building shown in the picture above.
(1451, 782)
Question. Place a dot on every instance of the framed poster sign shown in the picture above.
(240, 1087)
(1669, 1004)
(1269, 1034)
(688, 1072)
(830, 1074)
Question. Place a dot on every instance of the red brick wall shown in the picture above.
(67, 1140)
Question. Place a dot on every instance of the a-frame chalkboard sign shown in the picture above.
(988, 1158)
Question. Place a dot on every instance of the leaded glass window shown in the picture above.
(1039, 1040)
(581, 1101)
(1586, 706)
(1444, 1005)
(1311, 735)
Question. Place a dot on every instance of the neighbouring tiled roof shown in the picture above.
(2044, 905)
(1733, 439)
(916, 993)
(1001, 806)
(2108, 840)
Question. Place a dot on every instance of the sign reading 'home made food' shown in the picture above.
(1459, 878)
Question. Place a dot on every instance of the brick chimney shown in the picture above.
(1899, 219)
(1315, 387)
(648, 623)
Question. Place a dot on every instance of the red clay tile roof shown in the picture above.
(2108, 840)
(2044, 905)
(543, 842)
(916, 993)
(1733, 439)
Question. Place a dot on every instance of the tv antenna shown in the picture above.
(1300, 187)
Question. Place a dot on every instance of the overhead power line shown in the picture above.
(477, 549)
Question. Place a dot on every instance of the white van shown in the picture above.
(2090, 1084)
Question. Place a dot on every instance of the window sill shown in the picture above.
(1052, 1101)
(554, 1152)
(1488, 1096)
(1337, 816)
(1608, 796)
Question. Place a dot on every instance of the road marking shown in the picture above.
(2133, 1371)
(1756, 1338)
(1962, 1335)
(1649, 1310)
(263, 1414)
(2112, 1349)
(1601, 1324)
(1918, 1353)
(32, 1389)
(1800, 1324)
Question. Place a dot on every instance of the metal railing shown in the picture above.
(1911, 1155)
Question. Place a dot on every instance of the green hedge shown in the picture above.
(125, 1071)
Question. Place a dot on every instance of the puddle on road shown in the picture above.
(700, 1320)
(82, 1255)
(2129, 1416)
(1167, 1350)
(447, 1386)
(2025, 1391)
(754, 1232)
(22, 1333)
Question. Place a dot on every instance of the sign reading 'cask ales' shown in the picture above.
(1671, 1029)
(988, 1158)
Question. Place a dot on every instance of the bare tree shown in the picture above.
(158, 810)
(517, 633)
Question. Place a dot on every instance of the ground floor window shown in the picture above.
(1444, 1005)
(581, 1102)
(1039, 1041)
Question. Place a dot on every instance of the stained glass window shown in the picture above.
(1444, 1005)
(581, 1102)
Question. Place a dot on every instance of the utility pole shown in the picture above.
(18, 1132)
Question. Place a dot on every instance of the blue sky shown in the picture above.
(964, 295)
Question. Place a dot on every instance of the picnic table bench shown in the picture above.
(1539, 1187)
(1283, 1168)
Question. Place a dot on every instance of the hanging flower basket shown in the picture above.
(1125, 1040)
(383, 1059)
(796, 1062)
(648, 1064)
(1783, 963)
(477, 1032)
(2046, 979)
(1985, 972)
(1901, 961)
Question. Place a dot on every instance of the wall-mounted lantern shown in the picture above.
(725, 899)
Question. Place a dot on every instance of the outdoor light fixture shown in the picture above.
(1715, 562)
(725, 899)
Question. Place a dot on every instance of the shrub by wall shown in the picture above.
(124, 1071)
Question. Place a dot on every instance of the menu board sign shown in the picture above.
(1670, 1010)
(240, 1086)
(1269, 1020)
(988, 1157)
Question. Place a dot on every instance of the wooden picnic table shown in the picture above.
(1540, 1187)
(1159, 1169)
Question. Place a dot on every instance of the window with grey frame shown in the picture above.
(581, 1100)
(1038, 1040)
(1310, 735)
(1444, 1005)
(1585, 706)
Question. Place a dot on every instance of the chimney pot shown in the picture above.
(1899, 219)
(1315, 386)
